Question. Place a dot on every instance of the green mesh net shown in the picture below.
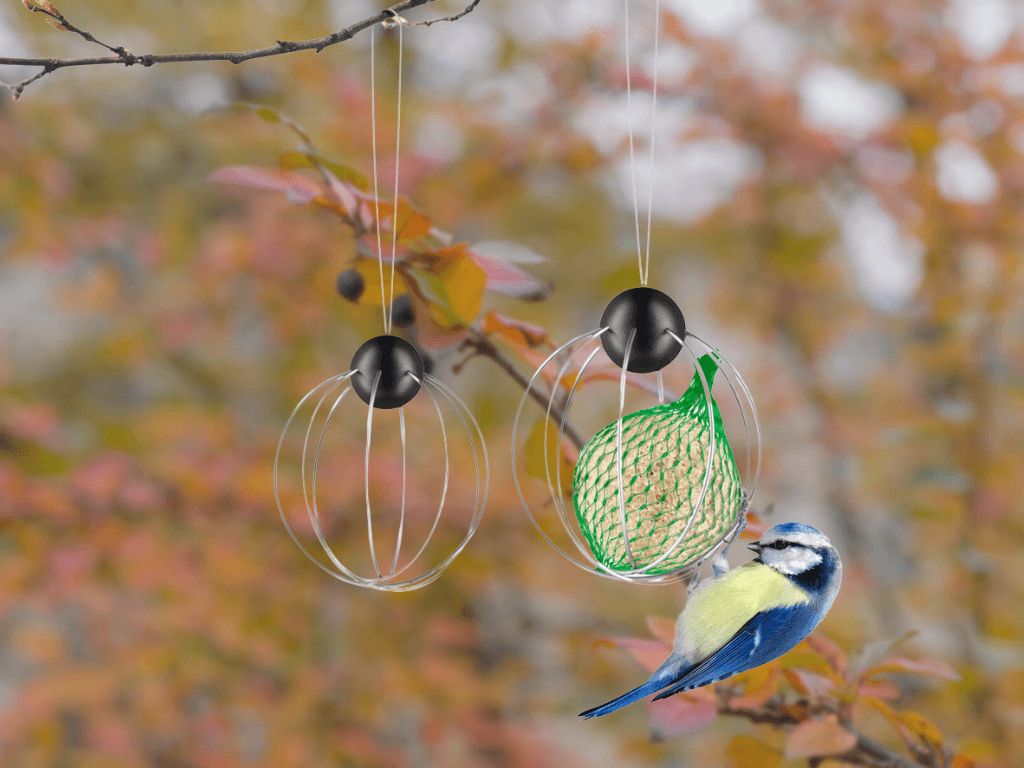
(664, 458)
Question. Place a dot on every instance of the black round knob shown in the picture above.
(395, 365)
(350, 284)
(649, 315)
(402, 313)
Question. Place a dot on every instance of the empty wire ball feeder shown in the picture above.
(386, 374)
(657, 492)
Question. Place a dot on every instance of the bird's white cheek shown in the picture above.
(795, 561)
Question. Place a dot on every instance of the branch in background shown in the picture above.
(125, 57)
(456, 17)
(867, 751)
(483, 346)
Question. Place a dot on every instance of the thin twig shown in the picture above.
(128, 59)
(456, 17)
(486, 348)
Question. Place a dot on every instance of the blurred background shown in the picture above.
(837, 206)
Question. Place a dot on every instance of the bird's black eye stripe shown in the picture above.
(778, 545)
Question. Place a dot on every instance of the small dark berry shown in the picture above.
(351, 284)
(401, 311)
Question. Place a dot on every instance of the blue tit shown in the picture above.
(747, 616)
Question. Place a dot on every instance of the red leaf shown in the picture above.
(819, 738)
(297, 186)
(650, 653)
(830, 651)
(879, 689)
(508, 279)
(932, 667)
(680, 714)
(662, 628)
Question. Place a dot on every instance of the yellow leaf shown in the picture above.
(370, 270)
(535, 458)
(919, 725)
(459, 282)
(746, 752)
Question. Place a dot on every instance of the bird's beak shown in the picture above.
(754, 546)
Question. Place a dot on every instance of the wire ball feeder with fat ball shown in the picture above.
(386, 373)
(657, 492)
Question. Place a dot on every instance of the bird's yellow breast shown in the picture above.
(718, 609)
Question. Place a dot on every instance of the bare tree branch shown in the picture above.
(126, 58)
(456, 17)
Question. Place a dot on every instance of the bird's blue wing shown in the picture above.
(766, 636)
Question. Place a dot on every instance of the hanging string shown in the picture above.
(643, 249)
(387, 299)
(654, 114)
(632, 155)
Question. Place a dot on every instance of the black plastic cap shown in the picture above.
(399, 366)
(652, 314)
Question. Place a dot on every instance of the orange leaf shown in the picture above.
(759, 685)
(746, 752)
(410, 222)
(662, 628)
(795, 681)
(819, 738)
(756, 526)
(514, 330)
(963, 761)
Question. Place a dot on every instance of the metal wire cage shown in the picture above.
(685, 541)
(387, 573)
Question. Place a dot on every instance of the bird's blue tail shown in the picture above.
(651, 686)
(667, 674)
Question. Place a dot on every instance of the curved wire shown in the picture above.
(366, 473)
(591, 565)
(383, 582)
(559, 505)
(618, 446)
(753, 410)
(401, 517)
(515, 430)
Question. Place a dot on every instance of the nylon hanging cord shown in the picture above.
(387, 299)
(643, 249)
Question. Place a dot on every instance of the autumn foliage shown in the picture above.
(170, 245)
